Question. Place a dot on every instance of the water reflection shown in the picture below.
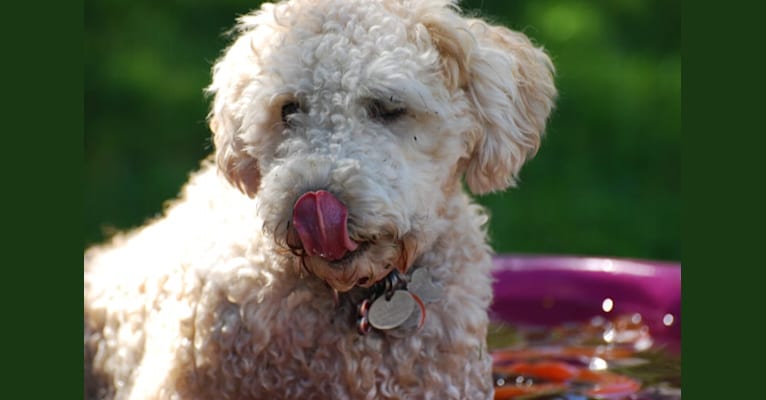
(613, 358)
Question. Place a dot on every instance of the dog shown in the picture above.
(330, 247)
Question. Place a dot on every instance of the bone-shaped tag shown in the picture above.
(423, 286)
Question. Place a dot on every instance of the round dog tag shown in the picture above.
(418, 317)
(388, 314)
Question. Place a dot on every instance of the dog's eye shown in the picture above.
(385, 113)
(288, 109)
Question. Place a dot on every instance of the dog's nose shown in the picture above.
(321, 221)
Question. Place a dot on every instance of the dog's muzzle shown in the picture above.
(321, 221)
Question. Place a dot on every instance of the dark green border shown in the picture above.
(43, 153)
(722, 175)
(693, 265)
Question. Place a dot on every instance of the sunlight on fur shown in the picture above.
(247, 287)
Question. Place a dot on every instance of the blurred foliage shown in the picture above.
(605, 182)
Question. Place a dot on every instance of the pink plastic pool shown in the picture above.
(568, 327)
(544, 290)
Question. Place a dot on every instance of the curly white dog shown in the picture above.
(350, 263)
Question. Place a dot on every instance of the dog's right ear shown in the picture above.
(239, 169)
(231, 114)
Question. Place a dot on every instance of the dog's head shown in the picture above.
(355, 121)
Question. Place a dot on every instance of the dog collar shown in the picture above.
(396, 302)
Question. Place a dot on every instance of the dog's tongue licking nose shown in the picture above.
(320, 220)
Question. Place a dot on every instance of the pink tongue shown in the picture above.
(320, 220)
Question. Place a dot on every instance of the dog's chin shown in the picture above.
(363, 267)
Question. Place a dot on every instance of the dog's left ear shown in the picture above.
(510, 83)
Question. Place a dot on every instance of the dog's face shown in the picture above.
(355, 120)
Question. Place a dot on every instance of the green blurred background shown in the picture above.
(606, 181)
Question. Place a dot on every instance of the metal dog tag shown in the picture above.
(418, 317)
(422, 285)
(388, 314)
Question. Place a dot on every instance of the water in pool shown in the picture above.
(600, 359)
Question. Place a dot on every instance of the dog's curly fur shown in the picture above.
(387, 104)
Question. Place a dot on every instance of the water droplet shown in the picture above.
(667, 320)
(607, 304)
(643, 344)
(597, 364)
